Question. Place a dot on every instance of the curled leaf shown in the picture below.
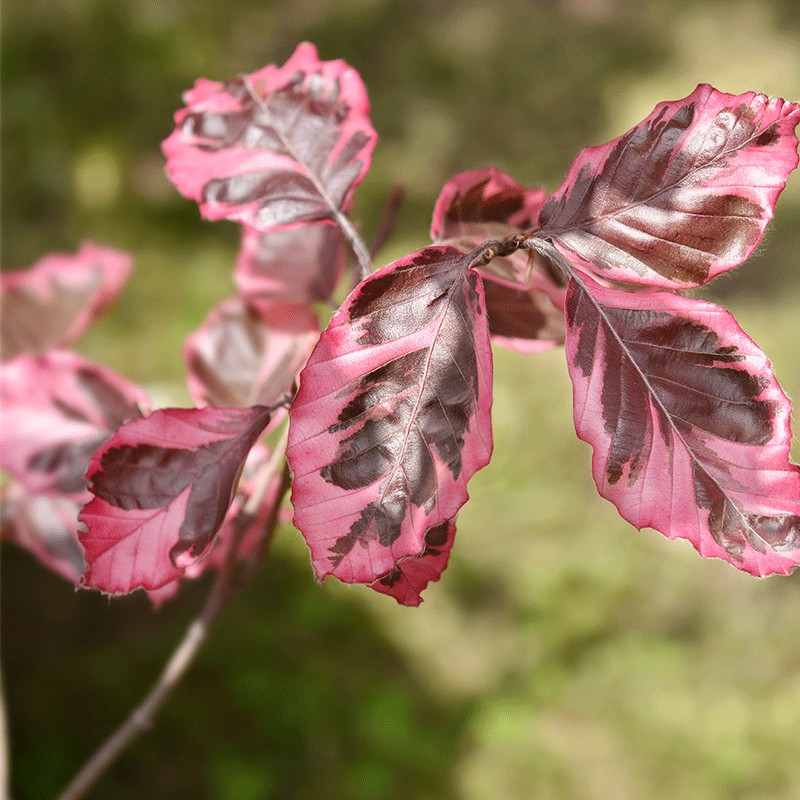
(281, 146)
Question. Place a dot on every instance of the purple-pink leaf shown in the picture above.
(47, 527)
(525, 306)
(689, 427)
(682, 196)
(281, 146)
(162, 487)
(245, 356)
(51, 304)
(297, 265)
(58, 409)
(393, 415)
(411, 575)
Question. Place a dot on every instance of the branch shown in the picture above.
(223, 590)
(389, 217)
(5, 754)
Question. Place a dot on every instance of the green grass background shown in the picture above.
(563, 655)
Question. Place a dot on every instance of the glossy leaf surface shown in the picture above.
(162, 487)
(682, 196)
(281, 146)
(393, 415)
(58, 409)
(51, 304)
(486, 204)
(244, 356)
(298, 265)
(689, 427)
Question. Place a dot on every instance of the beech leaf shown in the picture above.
(51, 304)
(689, 427)
(393, 415)
(682, 196)
(244, 356)
(524, 304)
(58, 409)
(281, 146)
(162, 487)
(296, 265)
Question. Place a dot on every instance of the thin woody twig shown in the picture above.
(223, 590)
(389, 217)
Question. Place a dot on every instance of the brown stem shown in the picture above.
(226, 584)
(5, 755)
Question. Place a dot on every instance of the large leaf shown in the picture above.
(689, 427)
(162, 487)
(297, 265)
(393, 415)
(525, 306)
(51, 304)
(682, 196)
(281, 146)
(58, 409)
(244, 356)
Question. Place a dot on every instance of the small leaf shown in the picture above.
(282, 146)
(297, 265)
(411, 575)
(46, 527)
(51, 304)
(682, 196)
(525, 306)
(393, 415)
(244, 356)
(689, 427)
(58, 409)
(162, 487)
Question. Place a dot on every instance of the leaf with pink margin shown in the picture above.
(51, 304)
(162, 487)
(393, 415)
(296, 265)
(682, 196)
(689, 427)
(244, 356)
(486, 204)
(45, 526)
(281, 146)
(58, 409)
(410, 577)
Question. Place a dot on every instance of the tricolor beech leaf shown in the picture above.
(524, 304)
(689, 427)
(162, 487)
(58, 409)
(393, 415)
(681, 197)
(245, 355)
(282, 146)
(51, 304)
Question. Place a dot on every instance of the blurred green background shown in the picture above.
(563, 655)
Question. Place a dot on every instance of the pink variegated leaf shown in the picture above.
(244, 356)
(281, 146)
(689, 427)
(684, 195)
(393, 415)
(51, 304)
(411, 575)
(45, 526)
(58, 409)
(297, 265)
(525, 305)
(162, 487)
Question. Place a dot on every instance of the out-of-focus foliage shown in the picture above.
(563, 655)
